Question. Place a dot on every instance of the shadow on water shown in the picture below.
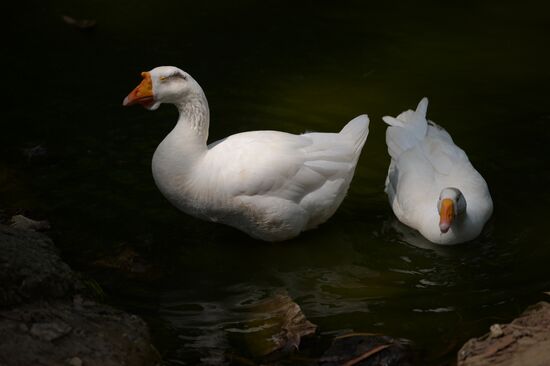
(293, 67)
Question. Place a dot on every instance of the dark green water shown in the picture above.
(291, 66)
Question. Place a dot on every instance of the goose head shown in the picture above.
(451, 204)
(163, 84)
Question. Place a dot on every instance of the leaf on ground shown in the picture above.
(130, 263)
(277, 324)
(82, 24)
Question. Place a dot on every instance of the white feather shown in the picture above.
(424, 160)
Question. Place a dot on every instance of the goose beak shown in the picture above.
(142, 94)
(446, 215)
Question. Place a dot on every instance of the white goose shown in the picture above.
(269, 184)
(431, 185)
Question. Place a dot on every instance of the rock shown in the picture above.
(45, 319)
(24, 223)
(50, 331)
(523, 342)
(97, 333)
(367, 350)
(31, 269)
(75, 361)
(496, 331)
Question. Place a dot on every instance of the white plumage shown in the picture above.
(269, 184)
(426, 167)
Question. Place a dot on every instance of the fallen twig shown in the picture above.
(366, 355)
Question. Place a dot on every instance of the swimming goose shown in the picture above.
(431, 185)
(272, 185)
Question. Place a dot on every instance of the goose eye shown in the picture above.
(178, 75)
(173, 76)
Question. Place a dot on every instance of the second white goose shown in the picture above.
(431, 185)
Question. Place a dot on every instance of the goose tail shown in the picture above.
(357, 129)
(407, 129)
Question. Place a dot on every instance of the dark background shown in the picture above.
(71, 154)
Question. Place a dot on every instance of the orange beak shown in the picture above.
(446, 215)
(142, 94)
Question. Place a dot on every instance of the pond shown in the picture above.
(73, 155)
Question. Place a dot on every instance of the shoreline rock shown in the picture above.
(31, 269)
(45, 319)
(523, 342)
(363, 349)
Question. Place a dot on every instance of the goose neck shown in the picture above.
(194, 118)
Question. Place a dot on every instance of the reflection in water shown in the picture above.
(412, 236)
(339, 298)
(206, 327)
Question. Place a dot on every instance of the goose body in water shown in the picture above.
(431, 185)
(272, 185)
